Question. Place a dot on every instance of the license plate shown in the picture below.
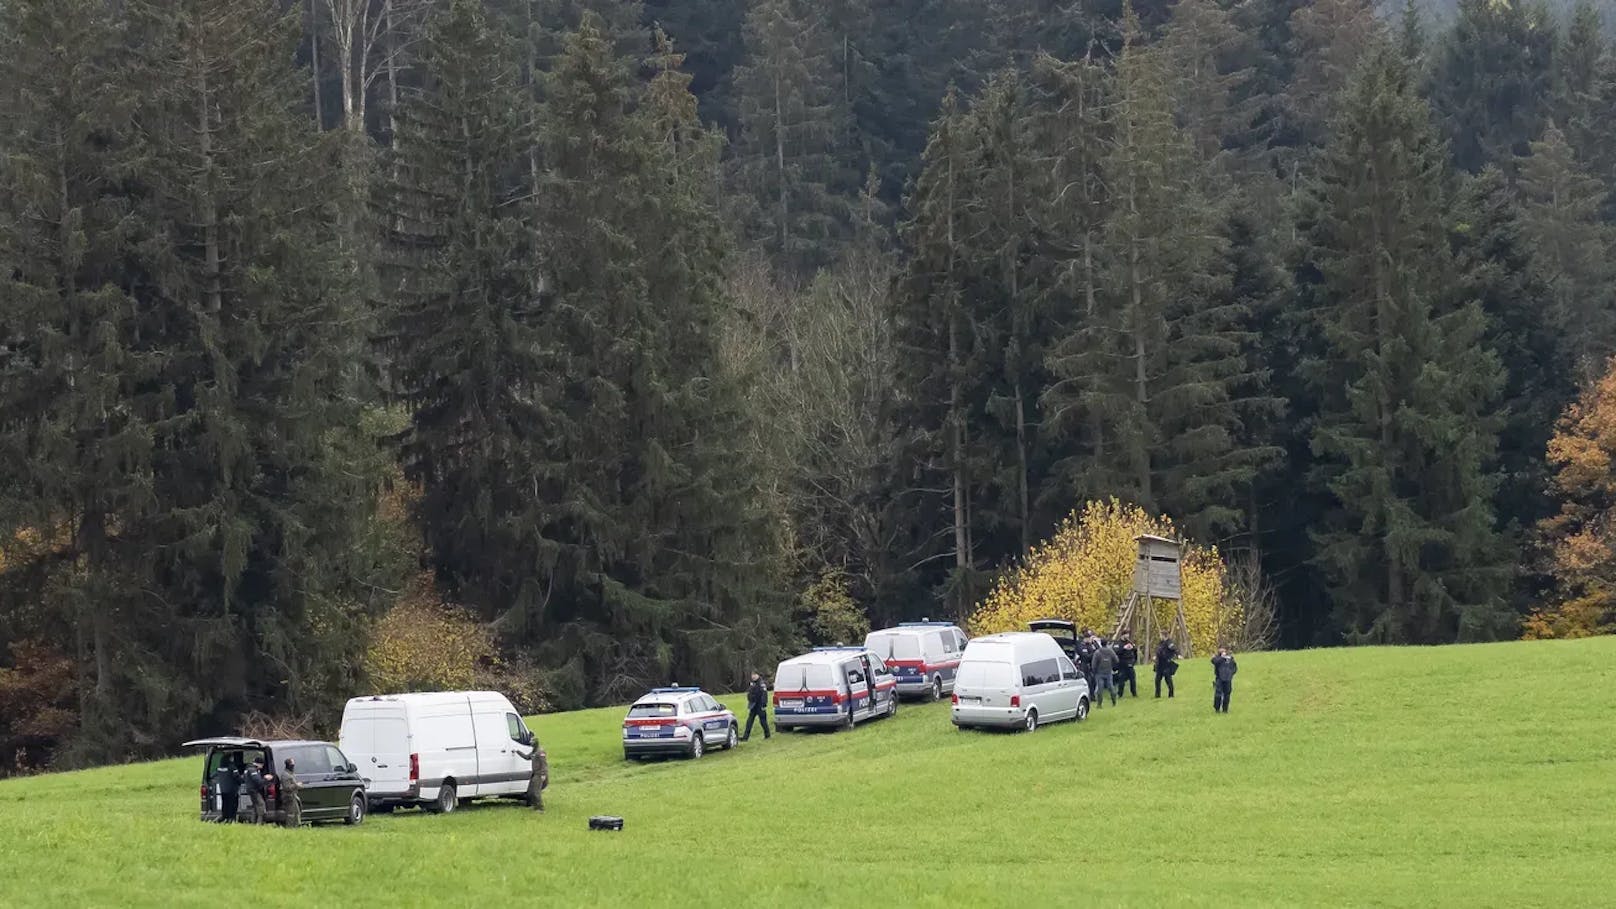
(971, 700)
(791, 703)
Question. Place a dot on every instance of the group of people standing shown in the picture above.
(236, 775)
(1111, 668)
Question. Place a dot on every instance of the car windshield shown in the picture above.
(976, 674)
(803, 677)
(894, 646)
(639, 710)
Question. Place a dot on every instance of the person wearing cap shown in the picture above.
(757, 705)
(1085, 656)
(1223, 670)
(1166, 663)
(254, 782)
(1127, 659)
(539, 763)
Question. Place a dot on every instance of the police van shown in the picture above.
(677, 721)
(833, 686)
(924, 656)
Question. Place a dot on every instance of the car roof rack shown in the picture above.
(926, 623)
(677, 690)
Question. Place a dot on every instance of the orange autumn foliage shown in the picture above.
(1581, 539)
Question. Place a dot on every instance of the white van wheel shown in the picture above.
(936, 687)
(1082, 709)
(1032, 720)
(448, 800)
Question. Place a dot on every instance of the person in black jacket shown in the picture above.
(1085, 657)
(1166, 663)
(1223, 670)
(1127, 659)
(757, 705)
(227, 780)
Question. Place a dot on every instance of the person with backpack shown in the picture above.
(1223, 670)
(1166, 663)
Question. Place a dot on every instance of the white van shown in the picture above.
(923, 656)
(1018, 678)
(833, 686)
(435, 748)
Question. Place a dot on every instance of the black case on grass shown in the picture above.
(605, 822)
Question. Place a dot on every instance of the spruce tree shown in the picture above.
(666, 566)
(791, 169)
(1403, 437)
(471, 356)
(1561, 217)
(1527, 331)
(1493, 80)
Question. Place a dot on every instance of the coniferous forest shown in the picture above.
(595, 344)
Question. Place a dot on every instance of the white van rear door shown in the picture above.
(376, 738)
(983, 683)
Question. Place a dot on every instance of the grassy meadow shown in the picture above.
(1464, 776)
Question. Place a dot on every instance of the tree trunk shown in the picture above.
(780, 163)
(1383, 404)
(1141, 385)
(314, 59)
(209, 215)
(392, 75)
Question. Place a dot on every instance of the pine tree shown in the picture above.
(791, 169)
(1497, 268)
(471, 356)
(1585, 100)
(1493, 81)
(1573, 247)
(1403, 436)
(666, 565)
(937, 343)
(217, 486)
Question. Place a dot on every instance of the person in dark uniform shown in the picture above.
(1127, 659)
(1166, 663)
(1223, 670)
(1085, 657)
(757, 705)
(227, 780)
(254, 782)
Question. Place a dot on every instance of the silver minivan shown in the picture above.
(1017, 679)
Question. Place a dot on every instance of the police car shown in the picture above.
(833, 686)
(924, 656)
(679, 721)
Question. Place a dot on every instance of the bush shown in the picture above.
(1084, 574)
(828, 613)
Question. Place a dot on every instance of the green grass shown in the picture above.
(1465, 776)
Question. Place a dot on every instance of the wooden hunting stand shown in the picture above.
(1157, 575)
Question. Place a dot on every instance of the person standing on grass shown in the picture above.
(757, 705)
(540, 778)
(1223, 670)
(1105, 661)
(1085, 657)
(1127, 659)
(1166, 663)
(291, 795)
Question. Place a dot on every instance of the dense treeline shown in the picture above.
(663, 337)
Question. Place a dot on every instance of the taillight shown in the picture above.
(1015, 700)
(953, 698)
(415, 768)
(274, 790)
(204, 790)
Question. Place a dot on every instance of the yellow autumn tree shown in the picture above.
(1085, 571)
(1580, 541)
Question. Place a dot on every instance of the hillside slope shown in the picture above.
(1469, 776)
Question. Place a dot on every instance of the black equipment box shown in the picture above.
(604, 822)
